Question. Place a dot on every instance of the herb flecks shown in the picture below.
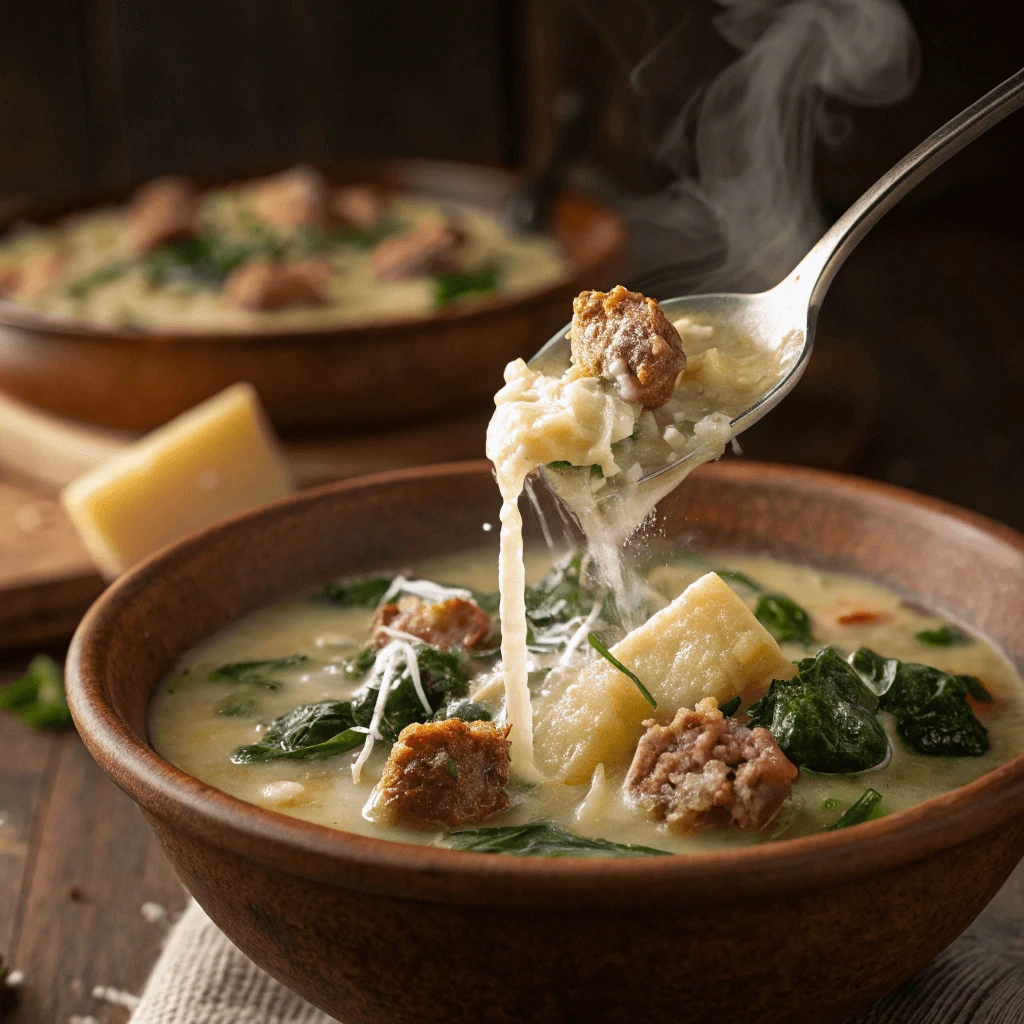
(598, 645)
(541, 839)
(866, 808)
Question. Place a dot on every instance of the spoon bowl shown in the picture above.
(782, 320)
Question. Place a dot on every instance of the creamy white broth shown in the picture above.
(187, 729)
(92, 241)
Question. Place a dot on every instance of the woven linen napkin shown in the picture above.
(201, 978)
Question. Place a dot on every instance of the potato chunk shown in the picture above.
(706, 643)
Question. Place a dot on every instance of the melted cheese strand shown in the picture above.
(512, 586)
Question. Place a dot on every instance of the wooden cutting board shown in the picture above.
(47, 580)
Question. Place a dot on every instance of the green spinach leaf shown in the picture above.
(464, 709)
(929, 705)
(823, 718)
(80, 288)
(310, 730)
(557, 605)
(332, 727)
(784, 619)
(205, 261)
(38, 697)
(863, 810)
(541, 839)
(257, 673)
(356, 593)
(732, 576)
(730, 707)
(944, 636)
(448, 287)
(357, 667)
(237, 705)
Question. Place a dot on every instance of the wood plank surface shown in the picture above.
(77, 863)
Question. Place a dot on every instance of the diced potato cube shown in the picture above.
(706, 643)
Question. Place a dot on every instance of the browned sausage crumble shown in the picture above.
(293, 199)
(358, 206)
(162, 211)
(34, 276)
(431, 249)
(703, 764)
(444, 624)
(444, 774)
(624, 336)
(266, 284)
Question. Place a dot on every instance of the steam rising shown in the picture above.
(743, 210)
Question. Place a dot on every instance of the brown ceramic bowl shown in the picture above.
(325, 376)
(370, 931)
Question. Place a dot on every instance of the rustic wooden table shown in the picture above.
(77, 864)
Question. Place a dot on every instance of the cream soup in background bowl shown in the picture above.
(735, 931)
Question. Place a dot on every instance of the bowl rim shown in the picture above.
(18, 315)
(320, 853)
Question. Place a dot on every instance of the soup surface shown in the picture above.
(202, 715)
(627, 700)
(285, 252)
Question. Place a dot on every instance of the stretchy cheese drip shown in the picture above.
(539, 419)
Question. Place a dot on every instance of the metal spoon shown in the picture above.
(784, 317)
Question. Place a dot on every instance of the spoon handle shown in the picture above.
(814, 273)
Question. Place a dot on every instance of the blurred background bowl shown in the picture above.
(354, 375)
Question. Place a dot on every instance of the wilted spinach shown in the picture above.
(863, 810)
(944, 636)
(929, 705)
(464, 709)
(80, 288)
(448, 287)
(257, 673)
(237, 705)
(730, 707)
(356, 593)
(732, 576)
(357, 667)
(310, 730)
(784, 619)
(823, 718)
(541, 839)
(330, 727)
(204, 261)
(557, 605)
(38, 697)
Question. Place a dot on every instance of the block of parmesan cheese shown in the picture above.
(217, 459)
(706, 643)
